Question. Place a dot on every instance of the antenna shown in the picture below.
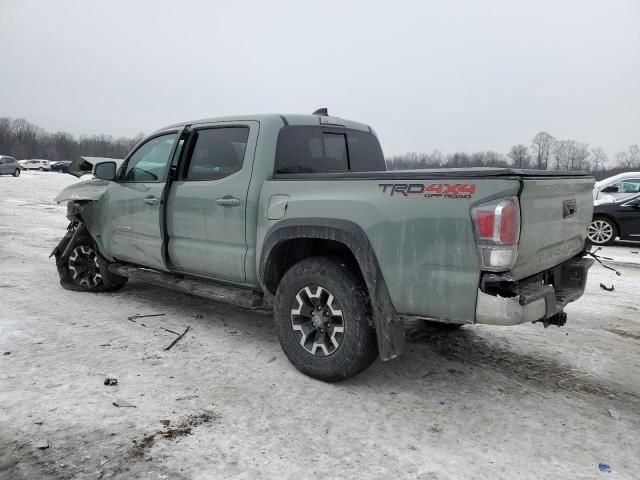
(322, 112)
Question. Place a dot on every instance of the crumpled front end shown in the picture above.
(503, 300)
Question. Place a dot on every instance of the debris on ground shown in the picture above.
(272, 359)
(604, 467)
(181, 428)
(41, 444)
(123, 403)
(188, 397)
(133, 318)
(614, 414)
(608, 289)
(109, 381)
(7, 353)
(634, 252)
(177, 339)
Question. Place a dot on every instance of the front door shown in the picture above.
(132, 231)
(207, 204)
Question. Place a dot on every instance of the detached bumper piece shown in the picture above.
(503, 300)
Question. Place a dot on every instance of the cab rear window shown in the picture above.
(310, 149)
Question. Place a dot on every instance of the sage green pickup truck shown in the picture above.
(298, 213)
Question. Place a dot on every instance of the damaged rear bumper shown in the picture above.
(503, 300)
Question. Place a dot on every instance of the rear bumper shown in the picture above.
(503, 300)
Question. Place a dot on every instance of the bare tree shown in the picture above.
(542, 146)
(598, 159)
(572, 155)
(519, 154)
(629, 158)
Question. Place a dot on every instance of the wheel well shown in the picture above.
(290, 252)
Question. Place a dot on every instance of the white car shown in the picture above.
(618, 186)
(35, 164)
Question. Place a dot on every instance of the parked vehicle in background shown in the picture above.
(9, 166)
(617, 219)
(36, 164)
(618, 186)
(60, 166)
(299, 210)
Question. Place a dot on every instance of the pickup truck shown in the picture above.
(298, 213)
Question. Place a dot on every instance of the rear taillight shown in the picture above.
(497, 229)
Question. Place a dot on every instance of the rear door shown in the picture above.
(132, 230)
(628, 217)
(206, 207)
(555, 214)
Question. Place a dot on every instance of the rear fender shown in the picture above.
(389, 327)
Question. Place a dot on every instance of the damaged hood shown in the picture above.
(85, 165)
(88, 190)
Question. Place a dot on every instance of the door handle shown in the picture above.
(151, 200)
(228, 201)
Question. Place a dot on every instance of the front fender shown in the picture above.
(83, 191)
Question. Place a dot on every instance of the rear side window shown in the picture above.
(217, 152)
(309, 149)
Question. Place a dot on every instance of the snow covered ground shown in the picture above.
(480, 402)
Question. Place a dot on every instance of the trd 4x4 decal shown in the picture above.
(430, 190)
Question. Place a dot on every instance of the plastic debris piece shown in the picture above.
(604, 467)
(614, 414)
(41, 444)
(123, 403)
(608, 289)
(110, 381)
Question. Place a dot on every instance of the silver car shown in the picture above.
(9, 166)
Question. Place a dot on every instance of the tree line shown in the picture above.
(545, 152)
(23, 140)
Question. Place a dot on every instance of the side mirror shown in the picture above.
(105, 171)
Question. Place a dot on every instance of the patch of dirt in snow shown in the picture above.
(625, 333)
(171, 431)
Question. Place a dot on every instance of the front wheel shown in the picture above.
(323, 319)
(602, 231)
(16, 172)
(84, 269)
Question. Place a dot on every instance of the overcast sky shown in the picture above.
(453, 75)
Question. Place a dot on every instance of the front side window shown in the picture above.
(149, 163)
(217, 152)
(629, 186)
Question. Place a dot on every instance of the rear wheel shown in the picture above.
(85, 270)
(323, 319)
(16, 172)
(602, 231)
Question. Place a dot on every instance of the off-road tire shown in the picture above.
(357, 348)
(602, 231)
(16, 172)
(108, 282)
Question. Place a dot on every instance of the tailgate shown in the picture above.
(555, 214)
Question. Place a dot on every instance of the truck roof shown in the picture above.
(282, 119)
